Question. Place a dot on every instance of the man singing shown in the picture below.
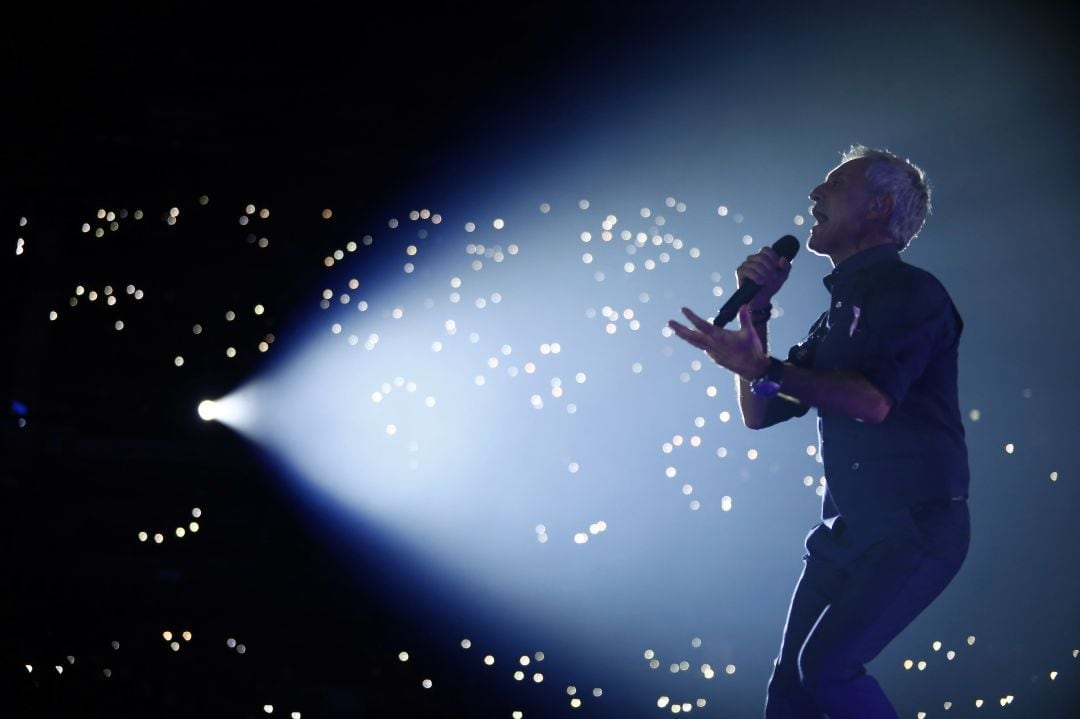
(880, 367)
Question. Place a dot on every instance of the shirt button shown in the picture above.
(854, 465)
(839, 304)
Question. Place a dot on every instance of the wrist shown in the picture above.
(768, 382)
(760, 314)
(758, 369)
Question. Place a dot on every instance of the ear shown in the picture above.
(882, 206)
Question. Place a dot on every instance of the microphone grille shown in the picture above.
(787, 246)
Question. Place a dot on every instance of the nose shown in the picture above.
(815, 194)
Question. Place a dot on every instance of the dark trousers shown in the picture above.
(847, 607)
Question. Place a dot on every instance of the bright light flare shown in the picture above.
(208, 410)
(234, 410)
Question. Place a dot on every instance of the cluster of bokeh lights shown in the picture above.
(563, 368)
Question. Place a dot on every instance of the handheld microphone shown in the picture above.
(787, 246)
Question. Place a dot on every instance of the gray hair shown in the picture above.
(905, 182)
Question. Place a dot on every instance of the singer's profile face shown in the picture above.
(840, 207)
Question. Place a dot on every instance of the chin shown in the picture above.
(815, 241)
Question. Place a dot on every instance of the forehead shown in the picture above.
(850, 170)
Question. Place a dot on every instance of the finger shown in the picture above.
(760, 282)
(752, 272)
(745, 321)
(703, 325)
(767, 255)
(693, 337)
(680, 329)
(767, 263)
(689, 335)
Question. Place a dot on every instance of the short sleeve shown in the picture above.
(906, 324)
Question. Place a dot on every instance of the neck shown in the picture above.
(861, 243)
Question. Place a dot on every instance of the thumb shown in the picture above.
(744, 316)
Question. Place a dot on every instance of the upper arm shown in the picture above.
(907, 326)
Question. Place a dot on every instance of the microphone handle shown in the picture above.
(731, 308)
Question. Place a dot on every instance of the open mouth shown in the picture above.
(820, 216)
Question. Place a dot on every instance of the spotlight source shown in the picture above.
(208, 410)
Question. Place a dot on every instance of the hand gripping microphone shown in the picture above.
(787, 246)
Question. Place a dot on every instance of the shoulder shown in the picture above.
(901, 283)
(910, 295)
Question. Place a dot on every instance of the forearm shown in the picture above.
(754, 409)
(836, 392)
(839, 392)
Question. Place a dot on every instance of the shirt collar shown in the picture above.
(851, 266)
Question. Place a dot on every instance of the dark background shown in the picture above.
(151, 106)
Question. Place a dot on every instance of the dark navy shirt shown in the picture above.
(896, 326)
